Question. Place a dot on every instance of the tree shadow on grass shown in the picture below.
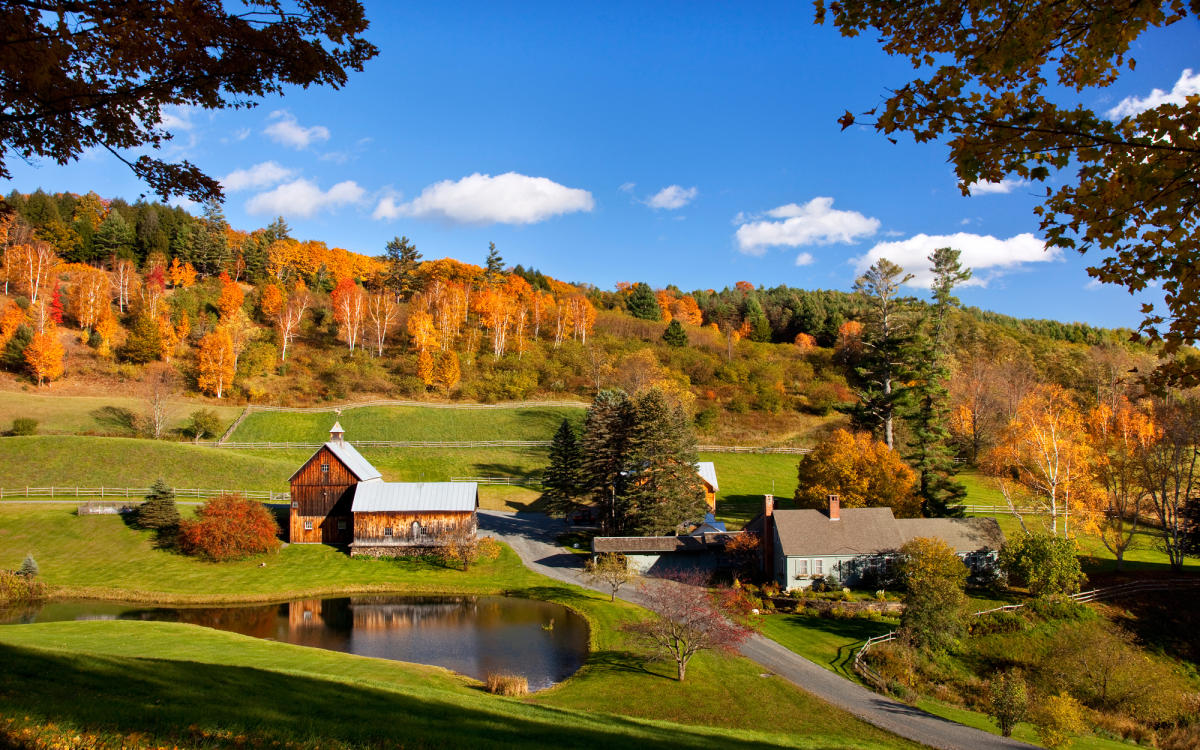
(116, 420)
(184, 702)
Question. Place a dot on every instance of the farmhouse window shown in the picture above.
(801, 568)
(324, 468)
(308, 525)
(387, 530)
(818, 567)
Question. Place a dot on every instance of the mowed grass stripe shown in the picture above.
(408, 423)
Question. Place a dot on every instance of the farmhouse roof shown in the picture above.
(627, 544)
(380, 497)
(708, 472)
(963, 534)
(860, 531)
(350, 458)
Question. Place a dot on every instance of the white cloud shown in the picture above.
(814, 223)
(187, 204)
(287, 131)
(1187, 85)
(987, 256)
(805, 259)
(389, 207)
(672, 197)
(1007, 185)
(259, 176)
(176, 118)
(627, 187)
(304, 198)
(509, 198)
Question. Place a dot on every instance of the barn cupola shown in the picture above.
(337, 434)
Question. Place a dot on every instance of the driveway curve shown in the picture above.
(532, 536)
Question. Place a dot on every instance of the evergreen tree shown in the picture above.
(210, 245)
(495, 264)
(13, 356)
(605, 448)
(562, 477)
(29, 567)
(886, 336)
(402, 262)
(663, 491)
(675, 335)
(931, 454)
(760, 327)
(144, 343)
(114, 237)
(159, 511)
(642, 303)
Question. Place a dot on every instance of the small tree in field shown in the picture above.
(687, 623)
(1057, 720)
(159, 511)
(29, 567)
(1045, 564)
(461, 546)
(203, 423)
(933, 579)
(1008, 700)
(610, 570)
(229, 527)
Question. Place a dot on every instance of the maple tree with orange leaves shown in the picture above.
(44, 356)
(215, 363)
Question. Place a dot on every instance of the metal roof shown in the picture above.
(708, 472)
(354, 461)
(415, 496)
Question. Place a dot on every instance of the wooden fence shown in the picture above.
(1083, 597)
(131, 493)
(283, 445)
(336, 408)
(518, 481)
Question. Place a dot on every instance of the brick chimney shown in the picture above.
(835, 508)
(766, 542)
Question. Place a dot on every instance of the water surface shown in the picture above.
(472, 635)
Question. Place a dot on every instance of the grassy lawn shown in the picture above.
(1024, 731)
(827, 641)
(409, 423)
(76, 414)
(745, 477)
(100, 675)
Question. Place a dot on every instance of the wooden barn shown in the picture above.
(339, 498)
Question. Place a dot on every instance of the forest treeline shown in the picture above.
(262, 316)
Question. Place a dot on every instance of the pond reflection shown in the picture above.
(472, 635)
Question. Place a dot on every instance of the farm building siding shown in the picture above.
(405, 532)
(322, 491)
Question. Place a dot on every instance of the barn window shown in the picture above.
(341, 524)
(416, 529)
(308, 525)
(324, 468)
(295, 503)
(387, 530)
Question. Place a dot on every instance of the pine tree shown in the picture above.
(675, 335)
(29, 567)
(210, 244)
(882, 368)
(143, 344)
(642, 303)
(931, 454)
(760, 327)
(495, 264)
(562, 477)
(664, 490)
(159, 511)
(402, 262)
(604, 448)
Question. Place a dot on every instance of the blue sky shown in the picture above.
(687, 143)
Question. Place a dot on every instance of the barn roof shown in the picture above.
(708, 472)
(350, 458)
(382, 497)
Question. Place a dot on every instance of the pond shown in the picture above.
(472, 635)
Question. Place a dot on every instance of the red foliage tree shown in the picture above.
(687, 622)
(229, 527)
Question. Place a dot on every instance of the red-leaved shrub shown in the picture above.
(229, 527)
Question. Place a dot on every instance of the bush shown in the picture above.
(998, 622)
(1058, 719)
(29, 567)
(229, 527)
(1045, 564)
(24, 426)
(507, 684)
(15, 587)
(1060, 608)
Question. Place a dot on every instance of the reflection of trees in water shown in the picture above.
(258, 620)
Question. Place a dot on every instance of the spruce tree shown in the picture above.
(495, 264)
(675, 335)
(605, 449)
(760, 327)
(143, 344)
(886, 338)
(29, 567)
(402, 262)
(930, 454)
(158, 512)
(562, 477)
(663, 491)
(642, 303)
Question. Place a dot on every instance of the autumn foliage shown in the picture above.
(44, 355)
(861, 471)
(229, 527)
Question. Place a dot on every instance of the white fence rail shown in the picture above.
(751, 449)
(1083, 597)
(518, 481)
(391, 444)
(127, 493)
(335, 408)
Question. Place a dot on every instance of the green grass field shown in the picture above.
(76, 415)
(827, 641)
(408, 423)
(155, 678)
